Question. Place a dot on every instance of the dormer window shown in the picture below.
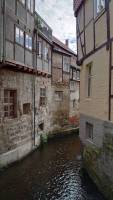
(99, 6)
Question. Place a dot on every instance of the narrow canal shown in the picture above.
(50, 173)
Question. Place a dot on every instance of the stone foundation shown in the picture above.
(98, 153)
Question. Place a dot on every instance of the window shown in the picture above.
(89, 131)
(23, 2)
(66, 63)
(89, 79)
(58, 95)
(28, 42)
(74, 74)
(26, 108)
(78, 75)
(19, 36)
(43, 96)
(30, 5)
(39, 48)
(46, 53)
(72, 85)
(10, 103)
(99, 6)
(71, 73)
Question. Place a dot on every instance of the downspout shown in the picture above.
(4, 31)
(109, 48)
(34, 93)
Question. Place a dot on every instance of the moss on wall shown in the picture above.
(92, 157)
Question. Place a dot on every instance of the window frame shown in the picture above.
(43, 97)
(66, 64)
(19, 40)
(11, 101)
(39, 48)
(29, 38)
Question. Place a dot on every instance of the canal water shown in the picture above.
(50, 173)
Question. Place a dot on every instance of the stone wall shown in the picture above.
(17, 132)
(98, 153)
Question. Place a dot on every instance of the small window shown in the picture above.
(10, 103)
(71, 73)
(39, 48)
(30, 5)
(19, 36)
(26, 108)
(46, 53)
(72, 85)
(89, 79)
(41, 126)
(66, 64)
(99, 6)
(78, 75)
(74, 74)
(58, 95)
(43, 98)
(89, 131)
(28, 42)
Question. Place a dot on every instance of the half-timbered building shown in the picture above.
(95, 56)
(25, 78)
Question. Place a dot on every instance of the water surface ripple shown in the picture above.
(50, 173)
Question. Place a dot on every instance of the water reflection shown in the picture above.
(51, 173)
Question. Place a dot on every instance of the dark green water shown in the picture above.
(51, 173)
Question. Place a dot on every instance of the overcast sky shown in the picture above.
(59, 16)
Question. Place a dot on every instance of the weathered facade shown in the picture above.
(62, 58)
(31, 106)
(25, 79)
(74, 91)
(94, 44)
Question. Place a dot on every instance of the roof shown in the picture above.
(77, 4)
(63, 46)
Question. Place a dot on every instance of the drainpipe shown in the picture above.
(4, 30)
(34, 93)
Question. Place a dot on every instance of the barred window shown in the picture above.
(43, 99)
(10, 103)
